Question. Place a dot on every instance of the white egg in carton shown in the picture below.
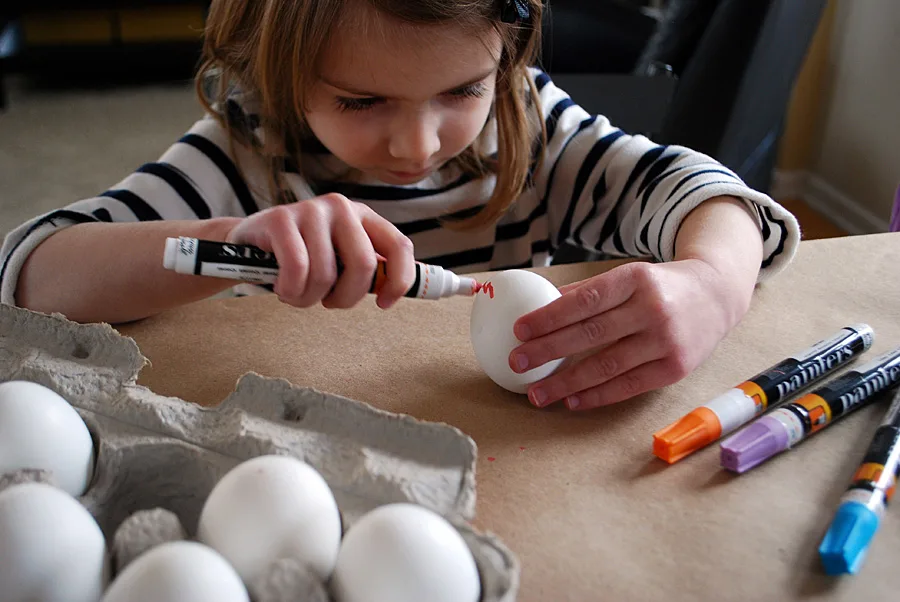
(155, 461)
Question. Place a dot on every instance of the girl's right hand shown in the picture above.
(306, 238)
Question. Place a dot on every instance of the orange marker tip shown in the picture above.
(685, 436)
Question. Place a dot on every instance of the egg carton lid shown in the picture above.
(368, 456)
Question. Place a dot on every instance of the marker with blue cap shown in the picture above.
(853, 528)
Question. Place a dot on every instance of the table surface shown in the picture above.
(579, 496)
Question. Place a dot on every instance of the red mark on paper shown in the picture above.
(491, 458)
(488, 288)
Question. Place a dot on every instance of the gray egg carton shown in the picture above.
(163, 453)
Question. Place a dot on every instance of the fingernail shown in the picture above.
(523, 332)
(521, 361)
(539, 397)
(573, 402)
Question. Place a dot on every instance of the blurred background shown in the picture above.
(797, 96)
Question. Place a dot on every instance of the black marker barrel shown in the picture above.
(248, 263)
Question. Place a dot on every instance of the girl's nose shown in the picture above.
(415, 138)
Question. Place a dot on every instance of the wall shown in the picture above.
(841, 149)
(805, 112)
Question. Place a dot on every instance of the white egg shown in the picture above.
(178, 571)
(503, 299)
(51, 548)
(405, 553)
(272, 507)
(39, 429)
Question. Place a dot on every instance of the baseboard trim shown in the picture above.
(839, 208)
(842, 209)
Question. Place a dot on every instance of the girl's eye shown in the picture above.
(347, 104)
(357, 105)
(473, 91)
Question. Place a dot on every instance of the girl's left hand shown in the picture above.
(647, 326)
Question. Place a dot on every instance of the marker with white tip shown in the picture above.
(251, 264)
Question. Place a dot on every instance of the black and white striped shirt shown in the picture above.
(597, 187)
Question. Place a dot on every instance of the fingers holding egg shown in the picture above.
(505, 298)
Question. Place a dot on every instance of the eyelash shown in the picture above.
(358, 105)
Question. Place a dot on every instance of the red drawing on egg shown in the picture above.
(488, 288)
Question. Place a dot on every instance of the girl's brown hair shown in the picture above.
(246, 42)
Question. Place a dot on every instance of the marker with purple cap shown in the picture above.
(790, 424)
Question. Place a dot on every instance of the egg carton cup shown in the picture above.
(156, 452)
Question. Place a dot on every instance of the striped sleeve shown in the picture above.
(625, 196)
(195, 178)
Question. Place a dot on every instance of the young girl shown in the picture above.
(418, 130)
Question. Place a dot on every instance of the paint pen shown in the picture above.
(859, 513)
(790, 424)
(251, 264)
(739, 405)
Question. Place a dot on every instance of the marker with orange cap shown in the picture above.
(765, 391)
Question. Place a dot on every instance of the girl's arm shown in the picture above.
(100, 259)
(722, 233)
(113, 272)
(625, 195)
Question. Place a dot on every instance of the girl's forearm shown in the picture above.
(722, 233)
(113, 272)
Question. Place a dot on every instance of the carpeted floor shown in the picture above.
(58, 146)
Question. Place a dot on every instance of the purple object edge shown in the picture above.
(737, 457)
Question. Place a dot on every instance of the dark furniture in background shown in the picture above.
(735, 63)
(731, 68)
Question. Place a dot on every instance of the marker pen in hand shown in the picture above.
(792, 423)
(857, 518)
(739, 405)
(251, 264)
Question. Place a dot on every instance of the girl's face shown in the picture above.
(397, 101)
